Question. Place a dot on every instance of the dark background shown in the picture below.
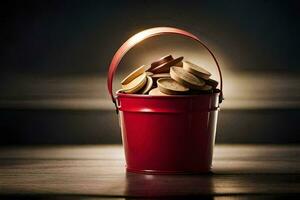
(55, 54)
(69, 37)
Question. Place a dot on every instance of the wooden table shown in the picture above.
(98, 171)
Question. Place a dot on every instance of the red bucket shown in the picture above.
(166, 134)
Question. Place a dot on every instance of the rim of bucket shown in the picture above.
(120, 96)
(216, 91)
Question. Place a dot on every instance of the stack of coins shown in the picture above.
(169, 76)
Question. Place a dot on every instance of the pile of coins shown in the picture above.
(169, 76)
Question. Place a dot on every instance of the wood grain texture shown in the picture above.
(99, 170)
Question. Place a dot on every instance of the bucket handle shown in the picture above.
(148, 33)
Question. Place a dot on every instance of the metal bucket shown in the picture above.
(166, 134)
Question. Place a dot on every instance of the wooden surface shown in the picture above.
(99, 171)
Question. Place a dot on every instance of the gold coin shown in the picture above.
(149, 73)
(147, 86)
(162, 75)
(169, 86)
(196, 70)
(120, 91)
(212, 82)
(136, 84)
(155, 77)
(133, 75)
(156, 92)
(206, 88)
(180, 64)
(185, 78)
(160, 61)
(165, 67)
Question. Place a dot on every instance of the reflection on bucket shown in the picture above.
(161, 186)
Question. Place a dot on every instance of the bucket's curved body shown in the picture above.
(168, 134)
